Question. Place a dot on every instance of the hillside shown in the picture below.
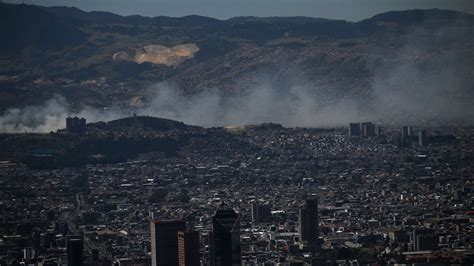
(113, 141)
(100, 59)
(143, 123)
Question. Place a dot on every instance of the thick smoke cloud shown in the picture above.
(410, 93)
(402, 93)
(48, 117)
(426, 84)
(41, 118)
(295, 107)
(418, 85)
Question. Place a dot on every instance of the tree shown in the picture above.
(184, 196)
(158, 195)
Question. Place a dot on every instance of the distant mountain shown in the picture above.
(273, 20)
(91, 57)
(100, 17)
(55, 27)
(422, 17)
(23, 26)
(73, 13)
(114, 141)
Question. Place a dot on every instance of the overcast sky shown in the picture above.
(352, 10)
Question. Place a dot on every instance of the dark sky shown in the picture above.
(352, 10)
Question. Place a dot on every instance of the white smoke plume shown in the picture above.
(402, 93)
(413, 99)
(426, 84)
(420, 84)
(294, 107)
(48, 117)
(43, 118)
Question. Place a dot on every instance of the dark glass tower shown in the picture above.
(188, 248)
(164, 242)
(308, 222)
(75, 249)
(225, 240)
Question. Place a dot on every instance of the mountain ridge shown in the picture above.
(333, 59)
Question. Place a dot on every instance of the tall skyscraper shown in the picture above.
(76, 124)
(354, 129)
(406, 131)
(75, 249)
(422, 138)
(378, 130)
(260, 211)
(368, 129)
(164, 241)
(423, 239)
(188, 248)
(308, 222)
(225, 239)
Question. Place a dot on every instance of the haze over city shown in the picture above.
(242, 132)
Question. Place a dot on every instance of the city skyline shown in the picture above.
(252, 141)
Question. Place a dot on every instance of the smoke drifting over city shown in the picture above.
(414, 87)
(404, 94)
(132, 140)
(408, 98)
(263, 104)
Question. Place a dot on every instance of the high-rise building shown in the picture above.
(260, 211)
(423, 239)
(378, 130)
(368, 129)
(406, 131)
(75, 249)
(164, 241)
(29, 253)
(76, 124)
(427, 242)
(308, 222)
(61, 227)
(188, 248)
(225, 240)
(354, 129)
(422, 138)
